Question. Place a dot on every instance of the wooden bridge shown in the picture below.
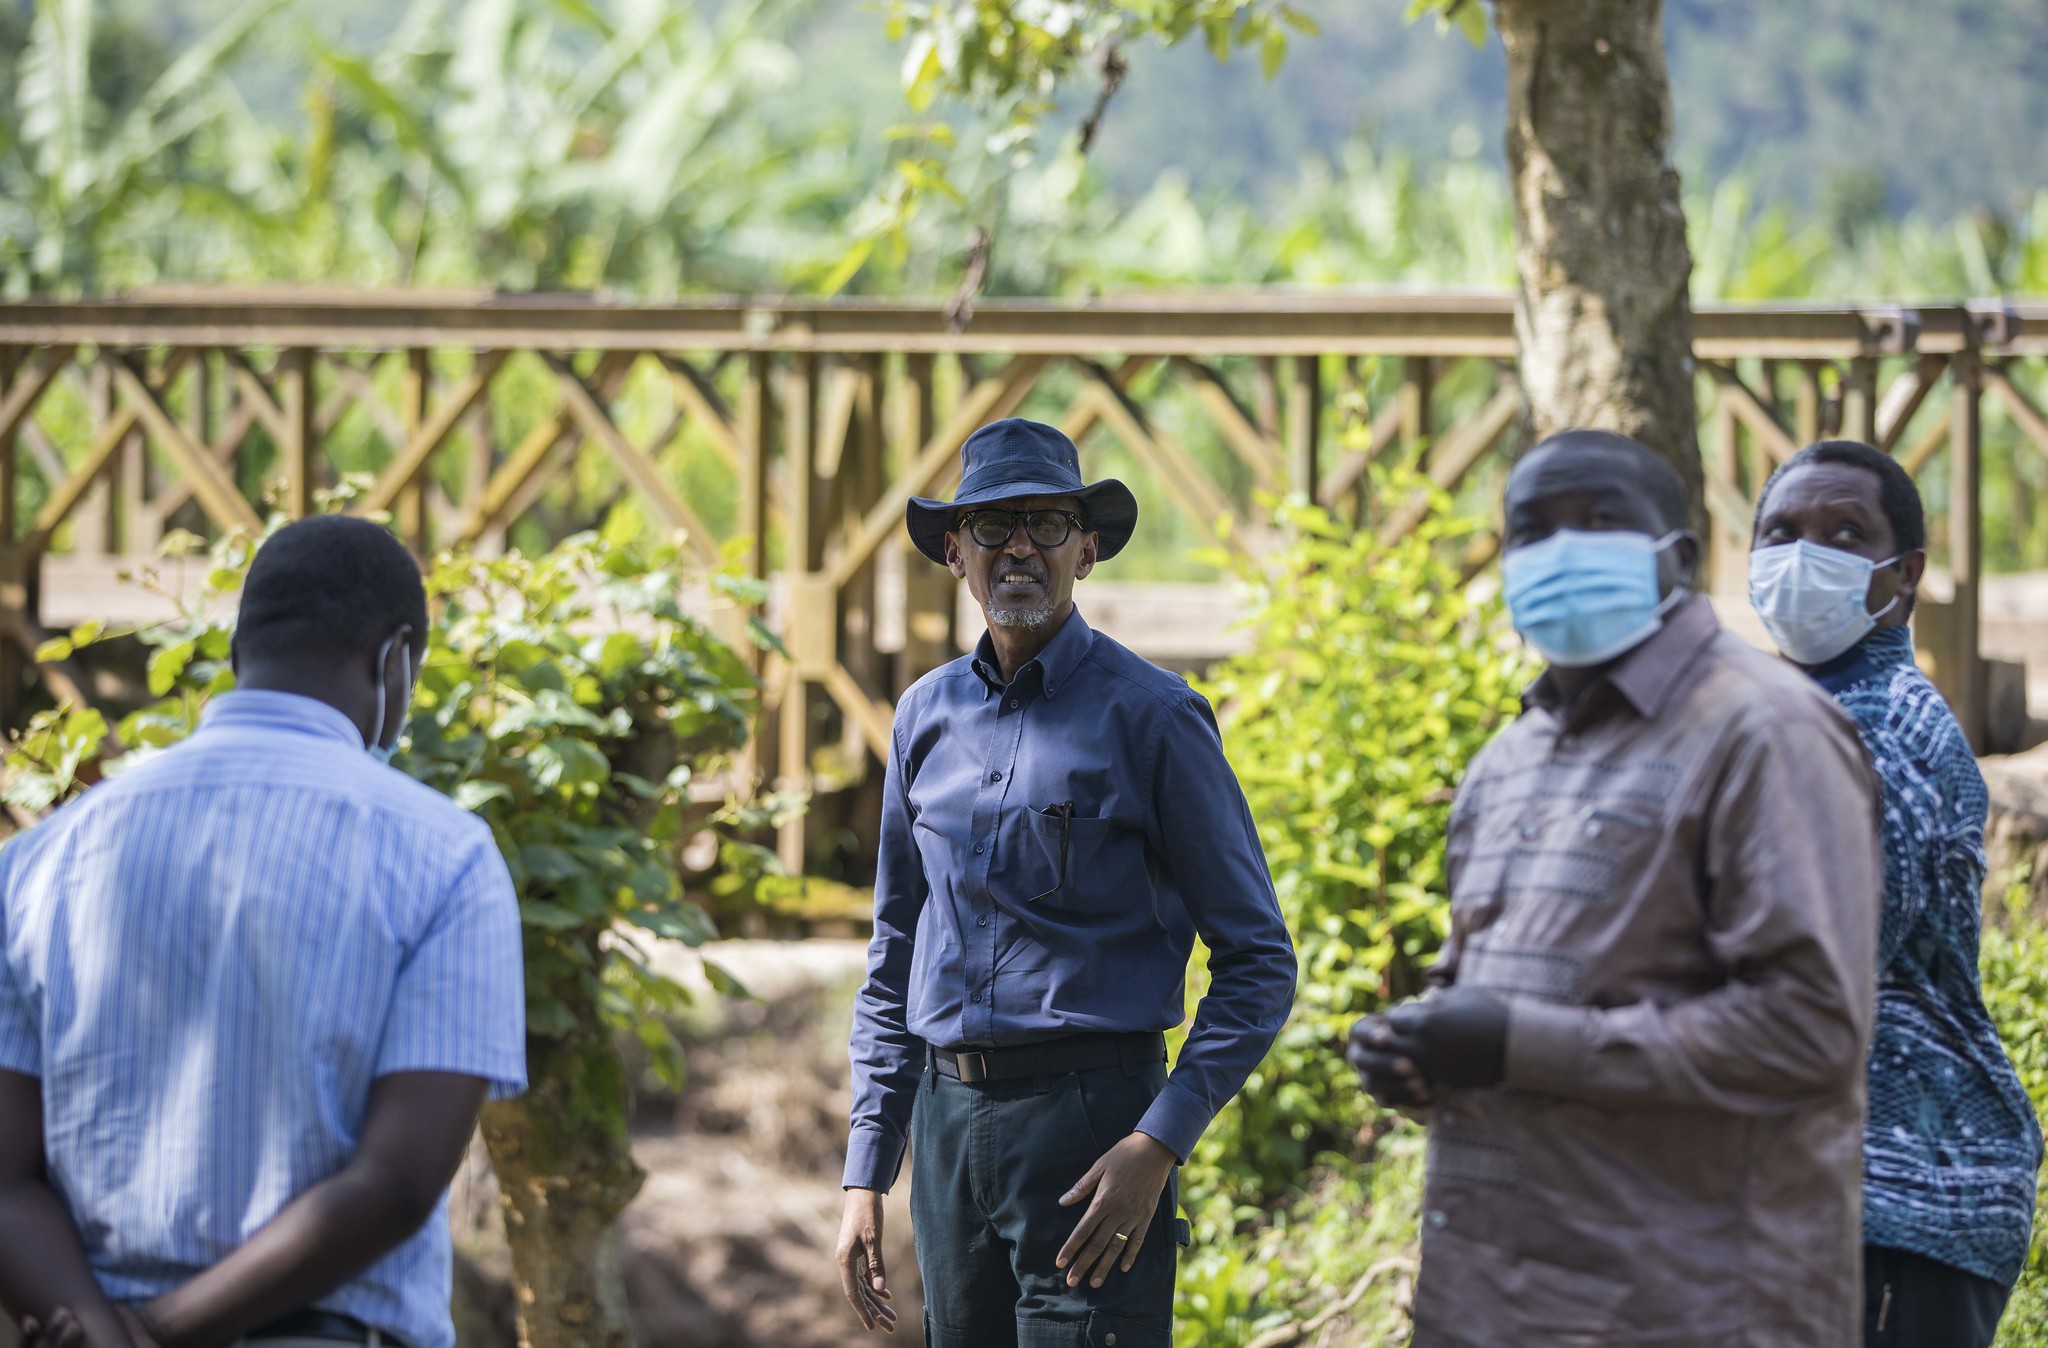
(493, 421)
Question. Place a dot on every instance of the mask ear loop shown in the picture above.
(1679, 593)
(1875, 568)
(383, 660)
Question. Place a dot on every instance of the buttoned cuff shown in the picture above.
(1177, 1119)
(873, 1159)
(1550, 1047)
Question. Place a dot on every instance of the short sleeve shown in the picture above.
(21, 1045)
(460, 1001)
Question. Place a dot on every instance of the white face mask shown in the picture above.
(1814, 601)
(383, 752)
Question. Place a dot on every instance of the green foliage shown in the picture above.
(2014, 964)
(1354, 1230)
(533, 144)
(1373, 676)
(569, 702)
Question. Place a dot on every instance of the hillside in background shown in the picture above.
(1850, 108)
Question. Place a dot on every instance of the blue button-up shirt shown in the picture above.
(209, 959)
(1951, 1146)
(1050, 850)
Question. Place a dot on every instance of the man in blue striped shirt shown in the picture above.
(252, 995)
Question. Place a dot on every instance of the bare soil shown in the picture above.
(730, 1242)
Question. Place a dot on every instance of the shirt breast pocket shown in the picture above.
(1073, 863)
(1584, 857)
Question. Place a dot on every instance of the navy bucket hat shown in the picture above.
(1013, 458)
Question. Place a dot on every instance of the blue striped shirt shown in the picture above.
(208, 959)
(1951, 1146)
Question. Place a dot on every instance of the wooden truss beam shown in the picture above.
(990, 400)
(411, 460)
(634, 463)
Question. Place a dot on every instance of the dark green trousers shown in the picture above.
(988, 1165)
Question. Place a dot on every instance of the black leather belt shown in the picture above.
(321, 1325)
(1053, 1057)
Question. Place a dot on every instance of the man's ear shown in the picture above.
(1685, 562)
(956, 557)
(1091, 549)
(1912, 570)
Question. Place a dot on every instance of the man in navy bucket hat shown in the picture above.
(1058, 825)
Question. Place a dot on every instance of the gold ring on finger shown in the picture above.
(1119, 1235)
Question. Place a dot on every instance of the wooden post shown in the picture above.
(1730, 559)
(199, 420)
(1859, 400)
(1266, 396)
(1418, 385)
(930, 594)
(799, 435)
(1304, 428)
(89, 520)
(1966, 547)
(409, 517)
(1809, 419)
(296, 399)
(14, 364)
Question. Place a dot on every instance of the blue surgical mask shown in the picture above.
(383, 752)
(1583, 597)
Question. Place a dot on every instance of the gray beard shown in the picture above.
(1028, 618)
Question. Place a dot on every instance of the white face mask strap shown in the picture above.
(1679, 593)
(383, 663)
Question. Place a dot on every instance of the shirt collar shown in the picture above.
(1884, 649)
(1647, 675)
(1054, 665)
(269, 710)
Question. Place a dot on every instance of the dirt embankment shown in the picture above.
(729, 1244)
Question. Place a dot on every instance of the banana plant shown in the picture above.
(80, 183)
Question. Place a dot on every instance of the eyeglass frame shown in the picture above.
(1074, 521)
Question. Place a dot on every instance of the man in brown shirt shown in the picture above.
(1642, 1065)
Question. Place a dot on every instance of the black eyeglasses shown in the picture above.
(1046, 528)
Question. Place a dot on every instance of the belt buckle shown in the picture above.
(973, 1067)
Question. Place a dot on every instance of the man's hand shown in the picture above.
(1386, 1065)
(65, 1330)
(860, 1261)
(1458, 1037)
(1126, 1183)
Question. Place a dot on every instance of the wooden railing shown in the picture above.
(490, 421)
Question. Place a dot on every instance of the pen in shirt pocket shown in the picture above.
(1064, 812)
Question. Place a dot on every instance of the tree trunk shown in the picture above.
(1603, 318)
(565, 1170)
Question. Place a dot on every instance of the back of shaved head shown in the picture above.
(1613, 457)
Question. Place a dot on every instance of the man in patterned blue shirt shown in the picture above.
(1952, 1145)
(252, 995)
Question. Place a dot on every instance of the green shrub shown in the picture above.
(2015, 968)
(569, 702)
(1373, 676)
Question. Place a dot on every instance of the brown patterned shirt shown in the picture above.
(1675, 884)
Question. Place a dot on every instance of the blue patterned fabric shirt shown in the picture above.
(1952, 1145)
(209, 959)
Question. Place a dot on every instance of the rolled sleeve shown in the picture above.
(1213, 852)
(21, 1045)
(459, 1004)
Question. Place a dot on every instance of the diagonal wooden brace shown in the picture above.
(635, 464)
(411, 461)
(28, 389)
(990, 400)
